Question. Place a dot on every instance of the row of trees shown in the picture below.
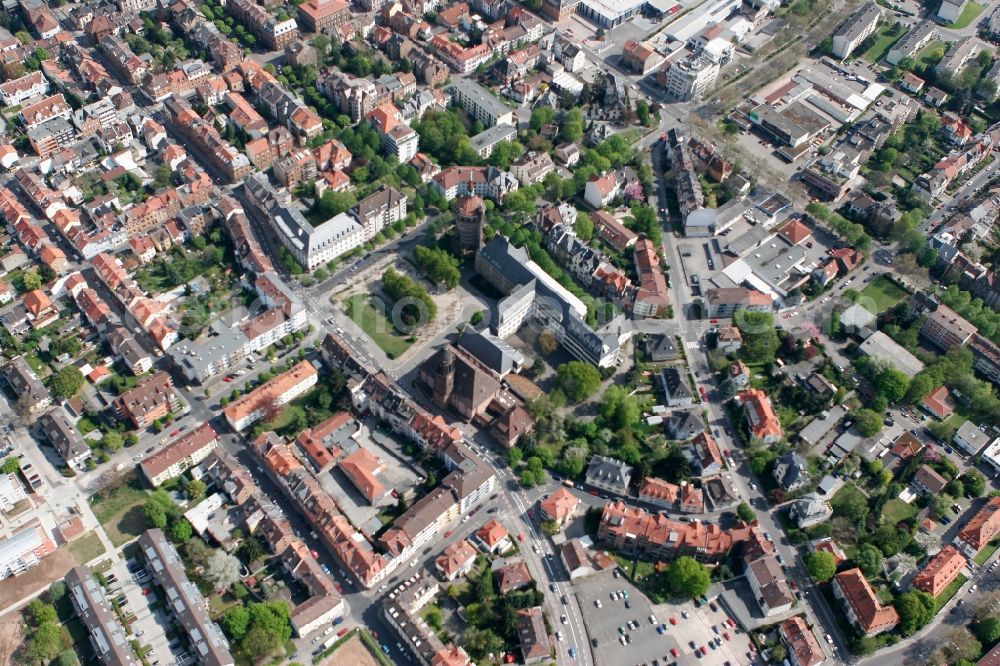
(416, 307)
(437, 265)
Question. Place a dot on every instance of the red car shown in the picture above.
(147, 591)
(340, 588)
(343, 631)
(175, 433)
(227, 379)
(447, 534)
(314, 554)
(673, 621)
(520, 537)
(731, 622)
(675, 652)
(725, 634)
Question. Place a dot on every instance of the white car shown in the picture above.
(829, 639)
(597, 602)
(535, 548)
(564, 619)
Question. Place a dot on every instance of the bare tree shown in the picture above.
(222, 571)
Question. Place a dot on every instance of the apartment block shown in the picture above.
(979, 531)
(180, 455)
(856, 29)
(939, 573)
(152, 398)
(861, 605)
(23, 551)
(184, 602)
(654, 536)
(481, 104)
(264, 401)
(107, 637)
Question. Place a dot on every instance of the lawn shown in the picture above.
(87, 548)
(986, 552)
(369, 313)
(948, 592)
(884, 292)
(846, 495)
(884, 39)
(931, 54)
(896, 511)
(968, 15)
(121, 514)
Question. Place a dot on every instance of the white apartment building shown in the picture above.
(11, 491)
(689, 79)
(856, 29)
(23, 551)
(24, 88)
(481, 104)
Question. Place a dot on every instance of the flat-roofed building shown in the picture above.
(107, 637)
(856, 29)
(23, 551)
(481, 104)
(183, 600)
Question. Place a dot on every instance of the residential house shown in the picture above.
(861, 605)
(769, 586)
(608, 474)
(791, 471)
(940, 571)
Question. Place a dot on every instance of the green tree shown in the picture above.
(67, 381)
(869, 560)
(42, 613)
(974, 482)
(31, 280)
(821, 565)
(618, 408)
(746, 513)
(760, 338)
(11, 465)
(778, 653)
(867, 422)
(196, 490)
(688, 578)
(550, 527)
(915, 608)
(542, 115)
(181, 531)
(112, 441)
(436, 265)
(584, 227)
(235, 622)
(987, 630)
(578, 380)
(66, 658)
(892, 385)
(333, 203)
(46, 643)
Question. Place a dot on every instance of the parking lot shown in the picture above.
(151, 626)
(680, 627)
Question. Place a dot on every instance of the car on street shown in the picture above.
(563, 619)
(673, 620)
(597, 603)
(829, 639)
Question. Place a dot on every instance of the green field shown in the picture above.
(986, 552)
(968, 15)
(948, 592)
(931, 54)
(368, 312)
(87, 548)
(884, 292)
(896, 511)
(121, 514)
(883, 42)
